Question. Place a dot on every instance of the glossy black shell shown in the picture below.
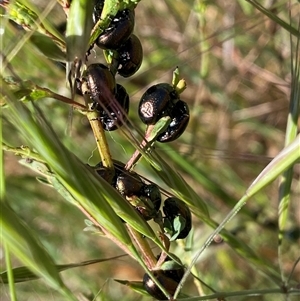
(101, 84)
(168, 283)
(180, 119)
(130, 56)
(118, 32)
(144, 198)
(175, 274)
(119, 169)
(115, 114)
(152, 192)
(128, 184)
(174, 207)
(156, 102)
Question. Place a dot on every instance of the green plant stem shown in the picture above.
(65, 99)
(107, 233)
(152, 131)
(286, 179)
(247, 293)
(102, 144)
(143, 146)
(144, 247)
(23, 151)
(2, 177)
(10, 274)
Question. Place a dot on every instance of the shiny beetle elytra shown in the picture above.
(115, 114)
(168, 283)
(119, 30)
(173, 207)
(179, 120)
(157, 102)
(99, 83)
(130, 56)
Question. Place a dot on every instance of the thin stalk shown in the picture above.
(9, 268)
(102, 144)
(144, 146)
(65, 99)
(144, 247)
(107, 233)
(2, 178)
(291, 134)
(23, 151)
(152, 131)
(247, 293)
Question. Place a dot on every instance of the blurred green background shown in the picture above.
(237, 65)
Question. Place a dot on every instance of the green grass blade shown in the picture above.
(78, 31)
(287, 157)
(21, 274)
(172, 178)
(199, 174)
(46, 26)
(177, 184)
(30, 18)
(93, 194)
(71, 172)
(293, 31)
(24, 245)
(291, 132)
(10, 275)
(2, 174)
(47, 47)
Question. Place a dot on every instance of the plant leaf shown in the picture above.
(22, 274)
(26, 246)
(47, 47)
(78, 30)
(178, 185)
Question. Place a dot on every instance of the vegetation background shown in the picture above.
(237, 65)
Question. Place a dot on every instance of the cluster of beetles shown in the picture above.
(111, 101)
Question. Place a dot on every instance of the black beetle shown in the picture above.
(147, 201)
(179, 120)
(129, 184)
(157, 102)
(152, 192)
(130, 56)
(119, 30)
(173, 207)
(99, 83)
(144, 198)
(115, 114)
(168, 283)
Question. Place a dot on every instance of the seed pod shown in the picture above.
(180, 119)
(118, 32)
(130, 56)
(173, 208)
(100, 83)
(157, 102)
